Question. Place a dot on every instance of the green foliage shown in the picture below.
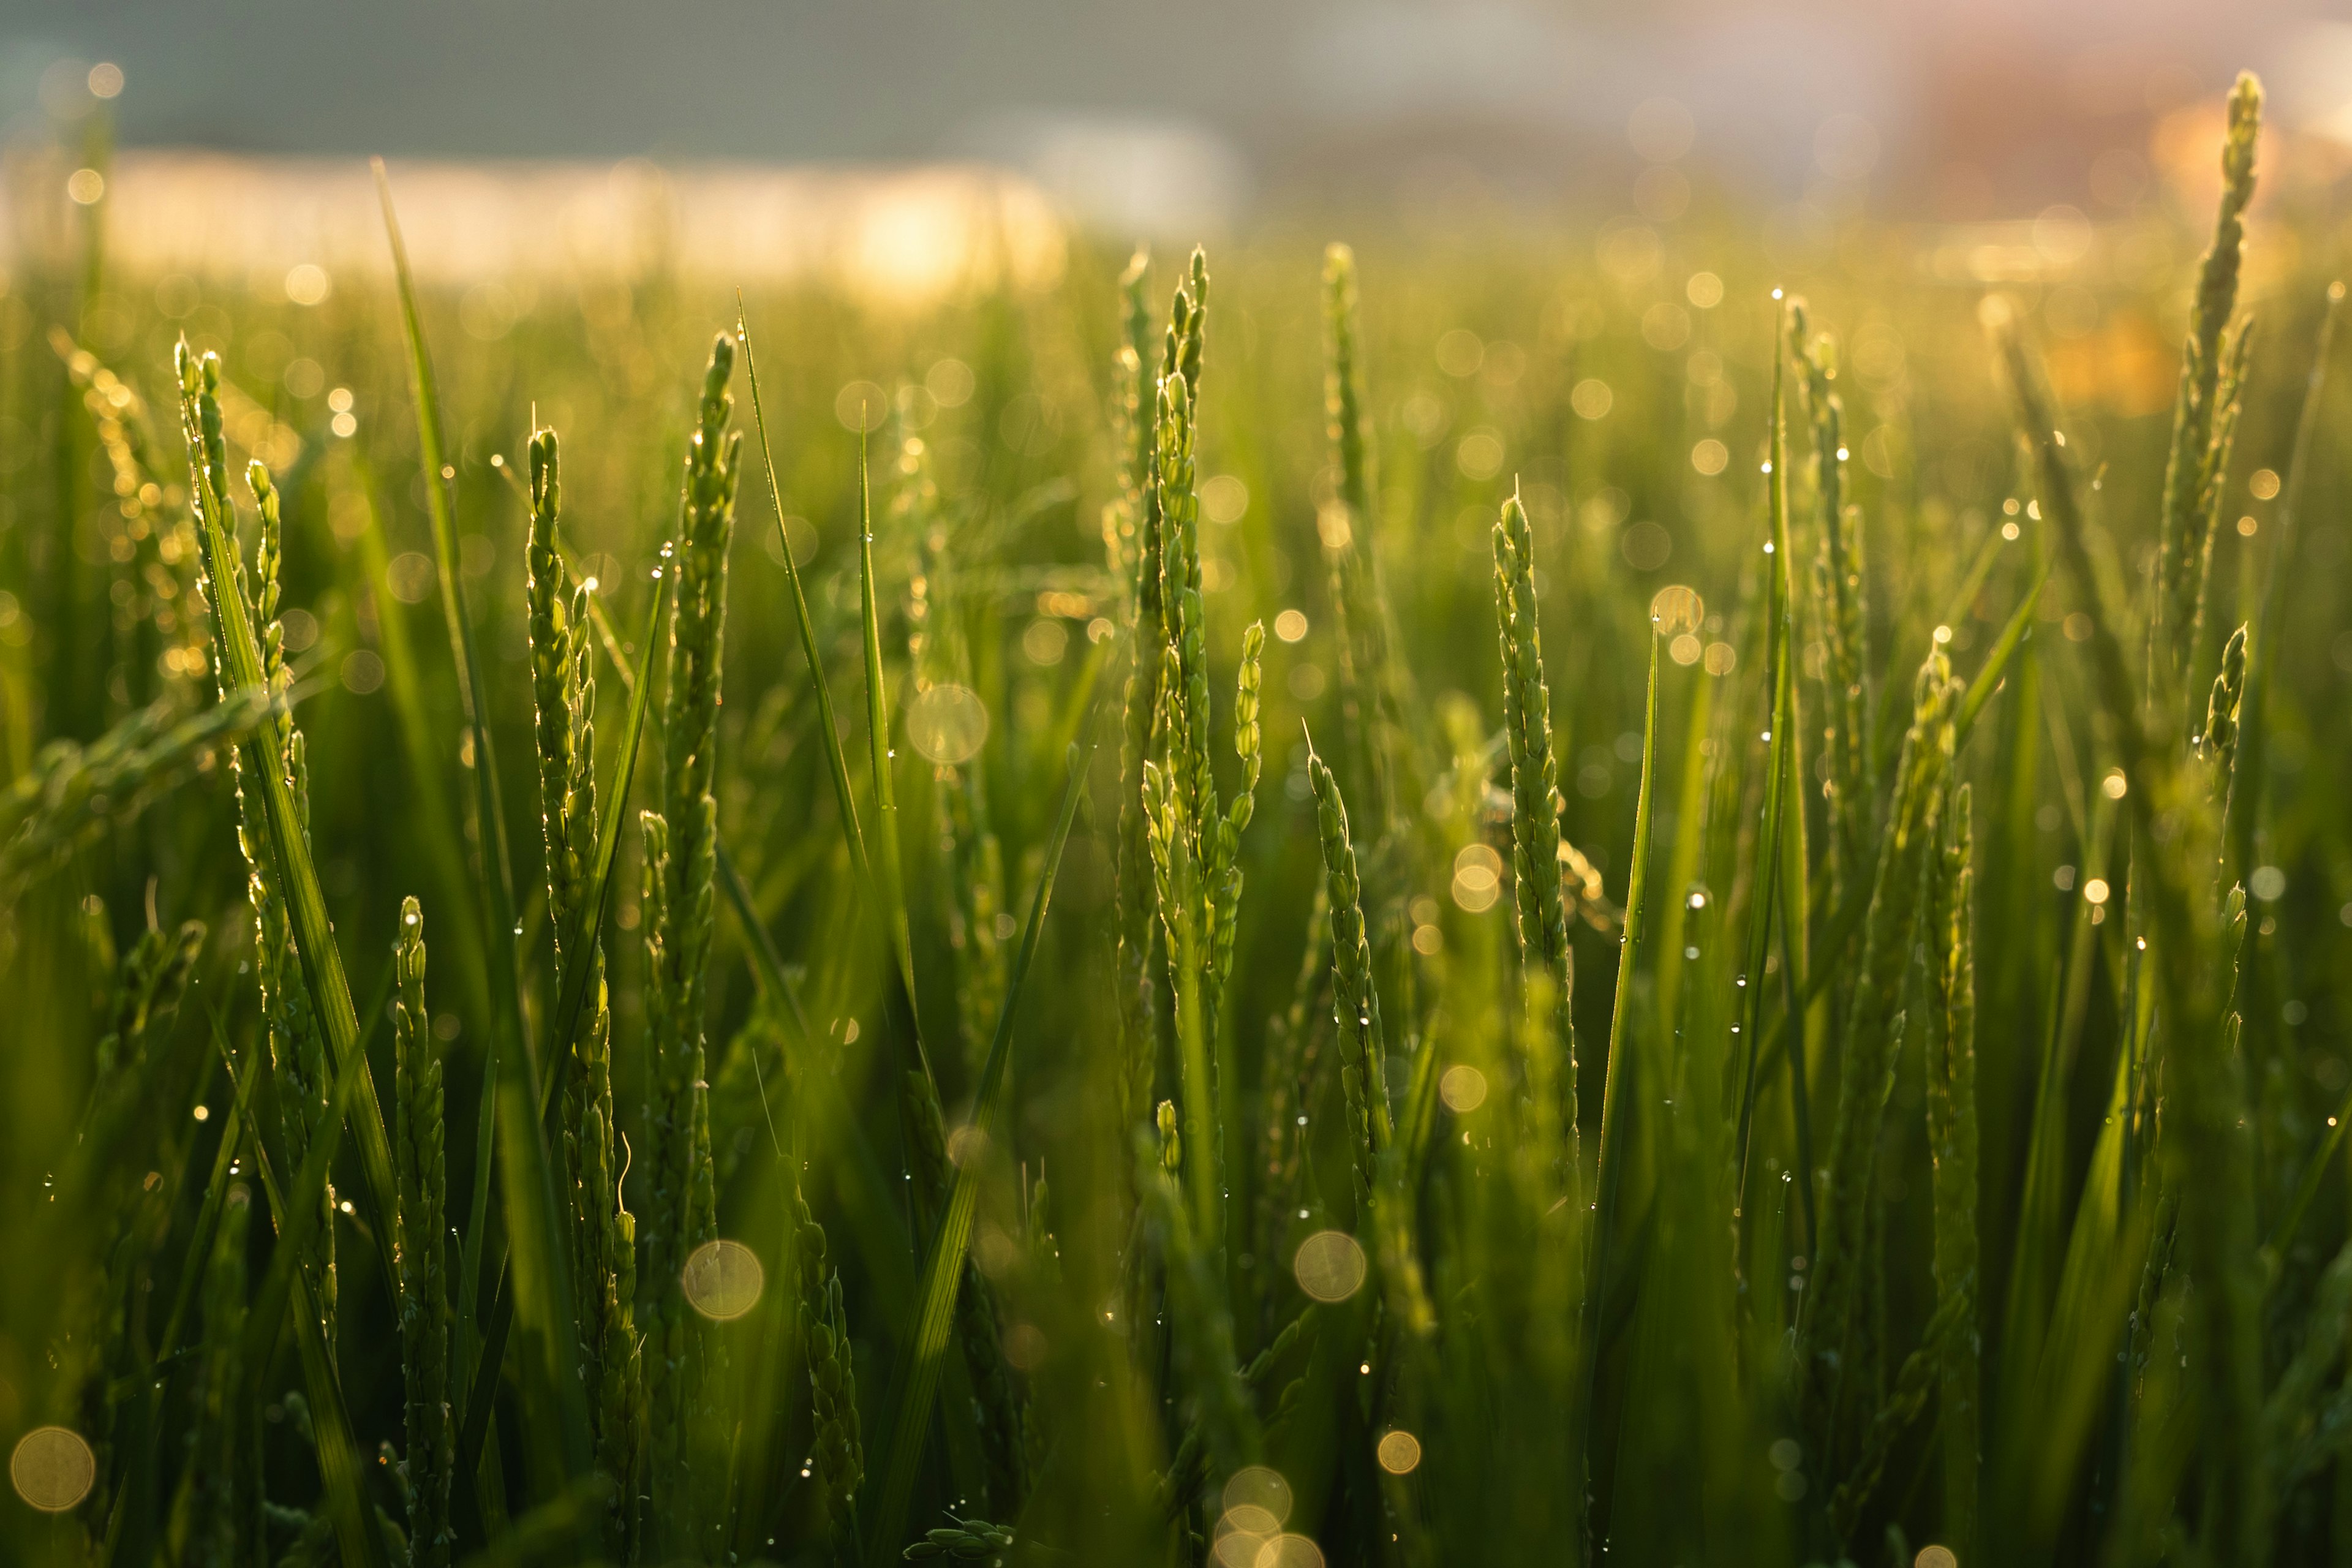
(1954, 1151)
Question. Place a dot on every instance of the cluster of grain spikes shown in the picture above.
(298, 1051)
(422, 1286)
(602, 1233)
(684, 1362)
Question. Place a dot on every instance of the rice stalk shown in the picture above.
(1539, 909)
(838, 1454)
(944, 1265)
(216, 1516)
(73, 793)
(2196, 464)
(2206, 1151)
(683, 1361)
(423, 1285)
(1950, 1072)
(1355, 1003)
(1841, 594)
(603, 1231)
(509, 1114)
(1832, 1324)
(1375, 695)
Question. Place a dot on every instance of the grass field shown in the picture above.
(1686, 925)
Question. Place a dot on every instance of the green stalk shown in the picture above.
(1355, 1004)
(1765, 899)
(2190, 477)
(2206, 1153)
(423, 1284)
(359, 1531)
(1618, 1073)
(262, 758)
(898, 996)
(680, 1213)
(2244, 820)
(918, 1376)
(890, 878)
(1539, 909)
(511, 1094)
(1830, 1323)
(1950, 1071)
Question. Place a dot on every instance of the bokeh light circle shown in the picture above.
(1329, 1266)
(52, 1469)
(947, 724)
(723, 1280)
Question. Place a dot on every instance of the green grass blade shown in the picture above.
(889, 878)
(2013, 634)
(357, 1530)
(1617, 1074)
(2254, 730)
(943, 1268)
(480, 1390)
(298, 1226)
(289, 845)
(898, 996)
(1764, 897)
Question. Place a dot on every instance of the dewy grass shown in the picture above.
(1272, 1229)
(428, 1432)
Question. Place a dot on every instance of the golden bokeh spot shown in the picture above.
(1330, 1265)
(1289, 1552)
(1477, 878)
(946, 723)
(1464, 1088)
(1238, 1547)
(1398, 1452)
(1255, 1486)
(723, 1280)
(1676, 609)
(1936, 1557)
(52, 1469)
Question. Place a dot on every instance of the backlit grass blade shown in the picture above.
(405, 684)
(1618, 1074)
(1614, 1105)
(943, 1267)
(297, 1227)
(534, 1230)
(899, 995)
(2207, 1149)
(289, 845)
(2262, 655)
(480, 1390)
(890, 880)
(1764, 897)
(2014, 633)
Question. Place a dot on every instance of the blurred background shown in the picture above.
(1143, 121)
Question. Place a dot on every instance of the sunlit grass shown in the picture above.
(1750, 973)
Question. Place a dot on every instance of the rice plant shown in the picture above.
(1093, 957)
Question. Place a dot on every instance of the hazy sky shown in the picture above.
(1238, 95)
